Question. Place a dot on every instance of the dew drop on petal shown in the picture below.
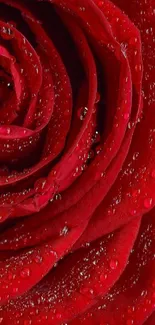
(148, 203)
(100, 3)
(133, 212)
(40, 184)
(91, 154)
(27, 322)
(103, 277)
(129, 322)
(15, 290)
(136, 192)
(126, 116)
(135, 155)
(131, 309)
(64, 231)
(98, 150)
(8, 131)
(82, 112)
(113, 264)
(38, 259)
(87, 292)
(25, 273)
(138, 67)
(58, 196)
(58, 316)
(6, 33)
(133, 40)
(97, 137)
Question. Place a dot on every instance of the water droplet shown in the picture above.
(15, 290)
(98, 175)
(82, 112)
(27, 322)
(148, 203)
(40, 185)
(126, 116)
(133, 212)
(131, 309)
(100, 4)
(82, 8)
(97, 137)
(7, 33)
(8, 131)
(124, 49)
(138, 67)
(64, 231)
(103, 277)
(148, 301)
(83, 167)
(98, 150)
(143, 293)
(129, 322)
(113, 264)
(25, 273)
(9, 85)
(133, 40)
(136, 192)
(67, 112)
(91, 154)
(135, 155)
(111, 212)
(38, 259)
(58, 196)
(87, 292)
(130, 125)
(58, 316)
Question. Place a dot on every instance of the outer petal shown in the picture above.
(20, 272)
(132, 298)
(76, 283)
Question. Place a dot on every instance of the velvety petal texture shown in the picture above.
(77, 152)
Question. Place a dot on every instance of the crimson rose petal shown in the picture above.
(13, 283)
(132, 298)
(74, 292)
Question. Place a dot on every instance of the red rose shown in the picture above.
(77, 173)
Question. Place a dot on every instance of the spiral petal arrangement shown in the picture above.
(77, 175)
